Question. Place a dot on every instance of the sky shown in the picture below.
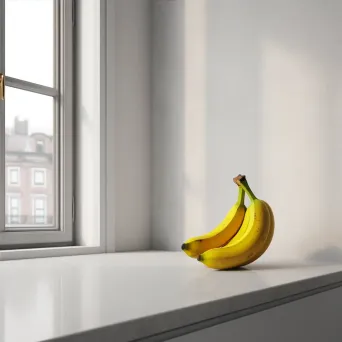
(29, 50)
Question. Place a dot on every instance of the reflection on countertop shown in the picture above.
(47, 298)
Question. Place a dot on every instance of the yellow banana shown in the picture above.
(248, 245)
(268, 240)
(241, 232)
(219, 236)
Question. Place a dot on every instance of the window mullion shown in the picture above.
(32, 87)
(65, 121)
(2, 119)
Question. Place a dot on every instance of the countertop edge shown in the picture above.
(205, 315)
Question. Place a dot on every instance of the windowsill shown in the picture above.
(48, 252)
(136, 295)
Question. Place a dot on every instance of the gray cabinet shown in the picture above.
(316, 318)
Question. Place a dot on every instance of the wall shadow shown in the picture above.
(266, 104)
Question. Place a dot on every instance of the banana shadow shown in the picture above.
(278, 266)
(274, 266)
(237, 269)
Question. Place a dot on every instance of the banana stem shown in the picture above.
(241, 196)
(241, 181)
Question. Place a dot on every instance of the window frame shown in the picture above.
(33, 179)
(34, 197)
(12, 168)
(91, 237)
(9, 197)
(62, 232)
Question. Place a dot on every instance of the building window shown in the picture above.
(13, 209)
(13, 176)
(40, 146)
(39, 177)
(39, 210)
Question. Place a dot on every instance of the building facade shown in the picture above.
(30, 177)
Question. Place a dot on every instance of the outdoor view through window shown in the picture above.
(30, 117)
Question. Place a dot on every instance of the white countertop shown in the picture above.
(136, 295)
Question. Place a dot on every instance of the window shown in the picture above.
(13, 176)
(39, 177)
(36, 38)
(39, 212)
(13, 211)
(40, 146)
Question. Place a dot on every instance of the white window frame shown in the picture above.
(90, 237)
(13, 168)
(62, 231)
(9, 197)
(33, 177)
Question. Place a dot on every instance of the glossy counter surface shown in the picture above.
(127, 296)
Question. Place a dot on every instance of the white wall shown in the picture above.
(254, 88)
(128, 124)
(167, 124)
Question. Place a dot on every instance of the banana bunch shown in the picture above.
(241, 238)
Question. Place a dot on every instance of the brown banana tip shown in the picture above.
(238, 179)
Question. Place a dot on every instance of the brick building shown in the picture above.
(30, 190)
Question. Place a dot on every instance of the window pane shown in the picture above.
(39, 210)
(14, 203)
(29, 41)
(39, 177)
(40, 146)
(39, 204)
(29, 119)
(12, 210)
(13, 175)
